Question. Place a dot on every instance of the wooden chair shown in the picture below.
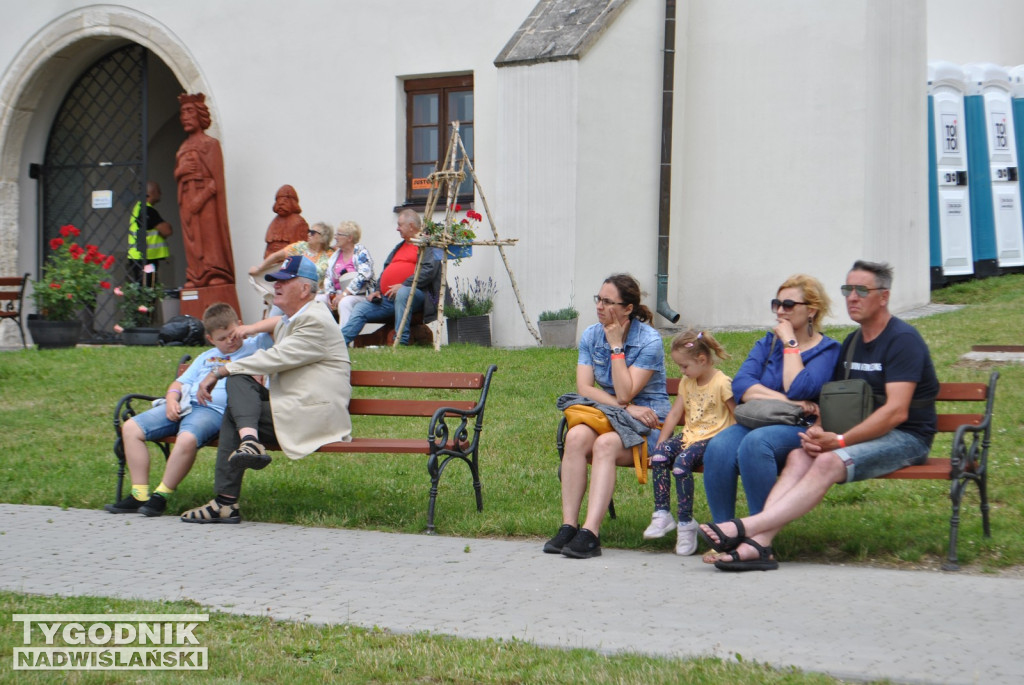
(12, 302)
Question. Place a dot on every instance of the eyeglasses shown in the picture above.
(861, 290)
(606, 302)
(786, 305)
(312, 232)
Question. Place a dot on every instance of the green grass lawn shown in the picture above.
(55, 449)
(56, 409)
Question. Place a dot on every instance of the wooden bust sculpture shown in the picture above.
(288, 226)
(199, 170)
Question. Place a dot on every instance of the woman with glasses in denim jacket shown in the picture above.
(621, 363)
(790, 363)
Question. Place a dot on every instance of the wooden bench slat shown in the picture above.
(936, 468)
(365, 406)
(357, 446)
(948, 423)
(969, 392)
(414, 379)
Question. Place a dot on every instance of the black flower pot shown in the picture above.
(48, 335)
(141, 336)
(475, 330)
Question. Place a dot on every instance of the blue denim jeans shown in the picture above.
(202, 422)
(756, 455)
(385, 311)
(883, 455)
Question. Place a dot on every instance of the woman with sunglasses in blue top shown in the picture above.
(790, 363)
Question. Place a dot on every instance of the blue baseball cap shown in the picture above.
(298, 266)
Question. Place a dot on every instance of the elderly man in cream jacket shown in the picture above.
(307, 404)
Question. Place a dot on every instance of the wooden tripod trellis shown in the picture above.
(447, 180)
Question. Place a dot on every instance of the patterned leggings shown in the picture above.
(684, 461)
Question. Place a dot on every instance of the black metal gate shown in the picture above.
(98, 144)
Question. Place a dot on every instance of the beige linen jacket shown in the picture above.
(310, 387)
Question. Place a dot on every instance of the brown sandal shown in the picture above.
(213, 512)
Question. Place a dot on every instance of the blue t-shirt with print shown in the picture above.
(643, 348)
(211, 359)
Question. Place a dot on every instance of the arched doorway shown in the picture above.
(98, 159)
(33, 89)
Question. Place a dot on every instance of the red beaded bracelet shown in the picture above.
(791, 350)
(621, 355)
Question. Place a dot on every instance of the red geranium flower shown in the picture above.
(109, 263)
(69, 230)
(105, 285)
(55, 286)
(55, 243)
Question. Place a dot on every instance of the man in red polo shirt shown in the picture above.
(388, 303)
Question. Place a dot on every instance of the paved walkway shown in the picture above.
(856, 623)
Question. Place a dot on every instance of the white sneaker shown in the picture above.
(686, 538)
(661, 523)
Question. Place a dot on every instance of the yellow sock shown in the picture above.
(163, 489)
(140, 492)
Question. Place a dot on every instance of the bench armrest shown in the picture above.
(969, 452)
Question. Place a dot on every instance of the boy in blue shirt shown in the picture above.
(181, 414)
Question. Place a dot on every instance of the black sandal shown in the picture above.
(765, 559)
(726, 543)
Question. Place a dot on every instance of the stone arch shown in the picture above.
(74, 38)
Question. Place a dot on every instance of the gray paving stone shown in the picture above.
(852, 622)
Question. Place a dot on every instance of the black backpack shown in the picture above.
(183, 330)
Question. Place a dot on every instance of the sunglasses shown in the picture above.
(786, 305)
(606, 302)
(861, 290)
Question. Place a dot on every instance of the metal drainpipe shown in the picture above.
(665, 199)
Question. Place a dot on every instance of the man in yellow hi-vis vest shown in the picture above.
(157, 232)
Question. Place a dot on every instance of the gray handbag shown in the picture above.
(761, 413)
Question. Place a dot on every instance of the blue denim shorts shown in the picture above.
(883, 455)
(202, 422)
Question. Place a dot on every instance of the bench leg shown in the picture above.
(431, 504)
(121, 461)
(477, 487)
(956, 494)
(983, 491)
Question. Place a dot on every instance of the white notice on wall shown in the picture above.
(102, 199)
(190, 294)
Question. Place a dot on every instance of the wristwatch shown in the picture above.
(792, 343)
(616, 350)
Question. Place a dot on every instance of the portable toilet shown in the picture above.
(949, 212)
(1017, 90)
(996, 219)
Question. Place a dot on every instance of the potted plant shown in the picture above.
(558, 327)
(454, 236)
(469, 314)
(72, 278)
(137, 303)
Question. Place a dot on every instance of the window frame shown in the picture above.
(442, 86)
